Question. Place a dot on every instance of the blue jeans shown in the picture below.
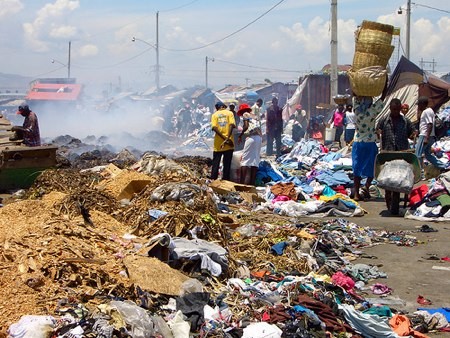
(425, 149)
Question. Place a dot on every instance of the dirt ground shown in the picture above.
(410, 272)
(409, 269)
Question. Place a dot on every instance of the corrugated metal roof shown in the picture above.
(54, 92)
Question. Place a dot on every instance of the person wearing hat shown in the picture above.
(222, 123)
(251, 154)
(29, 132)
(405, 108)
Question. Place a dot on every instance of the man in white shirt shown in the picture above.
(426, 117)
(257, 110)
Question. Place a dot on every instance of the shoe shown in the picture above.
(423, 301)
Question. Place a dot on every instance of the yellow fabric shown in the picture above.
(222, 120)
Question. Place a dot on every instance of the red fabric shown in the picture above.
(417, 194)
(340, 189)
(343, 281)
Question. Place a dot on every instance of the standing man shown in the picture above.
(237, 118)
(426, 117)
(349, 123)
(364, 148)
(222, 123)
(301, 118)
(257, 110)
(29, 131)
(274, 127)
(395, 129)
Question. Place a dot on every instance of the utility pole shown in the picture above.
(428, 65)
(157, 52)
(68, 62)
(408, 28)
(334, 57)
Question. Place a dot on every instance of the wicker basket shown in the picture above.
(369, 81)
(383, 51)
(363, 60)
(373, 36)
(376, 26)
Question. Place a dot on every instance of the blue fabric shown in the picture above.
(333, 178)
(363, 158)
(332, 156)
(444, 310)
(349, 134)
(348, 204)
(155, 213)
(426, 150)
(311, 314)
(327, 191)
(278, 248)
(266, 173)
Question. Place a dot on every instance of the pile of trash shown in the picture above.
(155, 250)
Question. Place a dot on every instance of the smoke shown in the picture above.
(112, 123)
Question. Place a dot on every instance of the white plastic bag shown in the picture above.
(396, 175)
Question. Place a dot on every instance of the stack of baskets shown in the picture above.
(373, 50)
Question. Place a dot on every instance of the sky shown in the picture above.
(240, 42)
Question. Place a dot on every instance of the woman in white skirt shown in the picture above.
(251, 154)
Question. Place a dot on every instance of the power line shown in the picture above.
(256, 67)
(227, 36)
(116, 64)
(179, 7)
(436, 9)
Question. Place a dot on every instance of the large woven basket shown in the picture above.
(374, 32)
(363, 60)
(383, 51)
(373, 36)
(377, 26)
(369, 81)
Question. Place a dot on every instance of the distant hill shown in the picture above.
(14, 83)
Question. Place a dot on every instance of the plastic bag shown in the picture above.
(191, 285)
(396, 175)
(31, 326)
(136, 317)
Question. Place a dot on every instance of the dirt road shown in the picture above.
(409, 269)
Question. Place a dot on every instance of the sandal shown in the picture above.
(366, 193)
(427, 228)
(422, 300)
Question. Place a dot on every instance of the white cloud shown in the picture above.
(49, 23)
(87, 50)
(9, 7)
(63, 32)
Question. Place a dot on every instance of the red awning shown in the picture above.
(54, 92)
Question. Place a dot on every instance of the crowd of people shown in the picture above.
(356, 123)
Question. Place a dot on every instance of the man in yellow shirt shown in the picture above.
(222, 123)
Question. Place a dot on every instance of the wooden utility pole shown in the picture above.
(334, 56)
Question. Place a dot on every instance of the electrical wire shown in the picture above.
(256, 67)
(49, 72)
(436, 9)
(179, 7)
(115, 64)
(227, 36)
